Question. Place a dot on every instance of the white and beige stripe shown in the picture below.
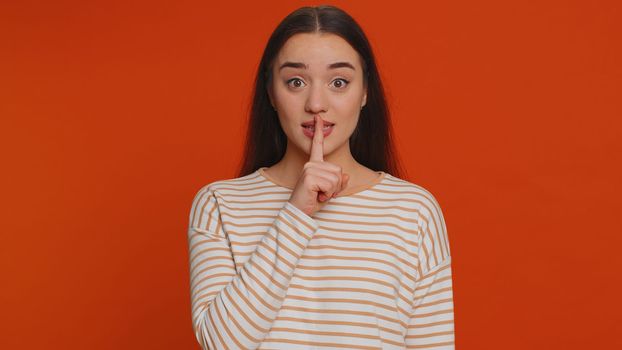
(370, 270)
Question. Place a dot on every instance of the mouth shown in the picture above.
(309, 130)
(311, 124)
(312, 127)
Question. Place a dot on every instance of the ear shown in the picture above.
(364, 98)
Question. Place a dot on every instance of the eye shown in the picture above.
(342, 84)
(293, 80)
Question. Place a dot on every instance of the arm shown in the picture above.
(431, 323)
(236, 310)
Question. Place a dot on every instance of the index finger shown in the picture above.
(317, 151)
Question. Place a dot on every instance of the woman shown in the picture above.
(319, 243)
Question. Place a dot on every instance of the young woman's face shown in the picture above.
(305, 84)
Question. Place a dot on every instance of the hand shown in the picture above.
(319, 180)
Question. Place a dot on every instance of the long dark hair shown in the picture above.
(371, 143)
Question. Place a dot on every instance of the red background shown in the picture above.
(113, 115)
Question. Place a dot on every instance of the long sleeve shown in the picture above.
(431, 323)
(235, 310)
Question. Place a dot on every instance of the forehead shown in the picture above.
(317, 50)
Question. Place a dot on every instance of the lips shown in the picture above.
(312, 123)
(309, 131)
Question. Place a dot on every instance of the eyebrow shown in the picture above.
(330, 66)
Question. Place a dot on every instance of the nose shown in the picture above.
(316, 101)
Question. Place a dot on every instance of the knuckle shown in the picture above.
(336, 180)
(307, 180)
(328, 185)
(336, 177)
(335, 168)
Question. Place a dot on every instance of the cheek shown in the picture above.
(348, 111)
(290, 127)
(350, 118)
(288, 107)
(352, 126)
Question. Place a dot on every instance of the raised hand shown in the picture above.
(319, 180)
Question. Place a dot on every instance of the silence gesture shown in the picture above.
(319, 180)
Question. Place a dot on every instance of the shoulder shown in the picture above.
(230, 185)
(207, 198)
(433, 240)
(421, 199)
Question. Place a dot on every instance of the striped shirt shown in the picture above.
(370, 270)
